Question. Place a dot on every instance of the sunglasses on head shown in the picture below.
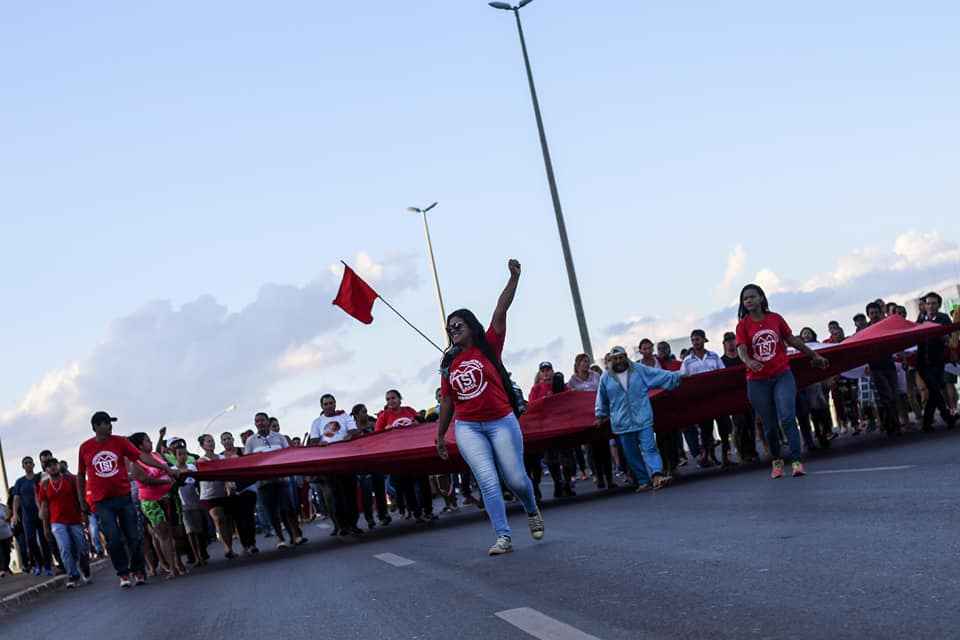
(456, 326)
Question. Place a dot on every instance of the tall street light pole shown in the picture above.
(561, 227)
(433, 263)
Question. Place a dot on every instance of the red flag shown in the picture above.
(355, 296)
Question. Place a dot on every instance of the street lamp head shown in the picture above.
(523, 3)
(501, 5)
(431, 207)
(232, 407)
(413, 210)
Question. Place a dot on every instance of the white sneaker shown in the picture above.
(282, 545)
(503, 545)
(536, 525)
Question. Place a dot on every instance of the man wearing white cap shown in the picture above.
(622, 401)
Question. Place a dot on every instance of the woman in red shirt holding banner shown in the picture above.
(397, 416)
(762, 339)
(476, 389)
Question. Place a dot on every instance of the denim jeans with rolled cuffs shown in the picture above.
(643, 457)
(775, 401)
(121, 527)
(487, 446)
(73, 548)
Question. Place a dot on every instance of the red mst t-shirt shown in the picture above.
(103, 462)
(61, 497)
(395, 418)
(475, 386)
(764, 340)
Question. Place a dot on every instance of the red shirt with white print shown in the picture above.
(766, 343)
(395, 418)
(104, 464)
(475, 386)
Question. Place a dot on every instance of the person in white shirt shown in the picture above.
(700, 360)
(333, 425)
(273, 492)
(339, 491)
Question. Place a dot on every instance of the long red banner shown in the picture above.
(569, 416)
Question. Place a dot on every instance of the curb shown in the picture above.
(14, 600)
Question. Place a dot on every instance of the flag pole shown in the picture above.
(400, 315)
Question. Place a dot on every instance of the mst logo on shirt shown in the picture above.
(105, 464)
(467, 380)
(765, 343)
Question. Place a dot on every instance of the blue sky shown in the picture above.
(164, 163)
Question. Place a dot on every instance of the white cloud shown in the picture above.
(629, 334)
(312, 355)
(736, 262)
(769, 281)
(397, 273)
(179, 366)
(915, 249)
(912, 250)
(916, 262)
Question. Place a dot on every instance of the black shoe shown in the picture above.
(371, 525)
(385, 521)
(335, 532)
(601, 485)
(354, 531)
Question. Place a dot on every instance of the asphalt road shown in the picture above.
(854, 550)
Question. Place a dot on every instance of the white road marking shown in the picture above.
(393, 559)
(866, 470)
(542, 626)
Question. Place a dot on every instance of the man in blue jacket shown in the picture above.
(623, 402)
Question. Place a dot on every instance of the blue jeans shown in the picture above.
(73, 548)
(487, 446)
(121, 526)
(36, 541)
(692, 436)
(95, 535)
(640, 449)
(775, 401)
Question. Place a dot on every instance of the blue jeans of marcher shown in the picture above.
(73, 548)
(121, 526)
(692, 436)
(487, 446)
(36, 541)
(775, 401)
(95, 535)
(640, 449)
